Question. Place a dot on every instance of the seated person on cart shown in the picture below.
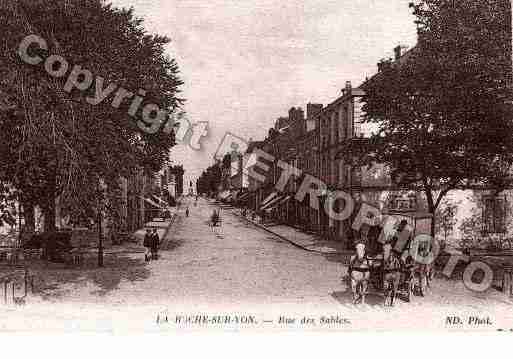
(401, 239)
(392, 270)
(214, 218)
(359, 273)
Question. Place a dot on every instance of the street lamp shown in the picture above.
(100, 240)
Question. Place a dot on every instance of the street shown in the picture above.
(235, 268)
(236, 264)
(241, 264)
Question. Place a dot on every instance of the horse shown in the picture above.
(391, 268)
(359, 273)
(419, 273)
(424, 275)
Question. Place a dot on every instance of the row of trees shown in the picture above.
(54, 143)
(444, 111)
(178, 171)
(211, 179)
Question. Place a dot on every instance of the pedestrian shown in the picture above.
(187, 212)
(147, 243)
(155, 244)
(218, 217)
(214, 218)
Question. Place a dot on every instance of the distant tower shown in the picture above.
(191, 189)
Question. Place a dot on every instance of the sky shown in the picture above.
(246, 63)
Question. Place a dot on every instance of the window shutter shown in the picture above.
(488, 215)
(500, 215)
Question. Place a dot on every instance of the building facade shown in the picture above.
(314, 145)
(339, 121)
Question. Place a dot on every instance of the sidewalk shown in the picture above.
(296, 237)
(162, 227)
(134, 244)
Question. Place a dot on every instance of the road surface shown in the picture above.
(237, 269)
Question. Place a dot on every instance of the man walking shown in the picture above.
(155, 243)
(147, 243)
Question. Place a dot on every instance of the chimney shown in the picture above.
(348, 86)
(399, 51)
(384, 63)
(296, 114)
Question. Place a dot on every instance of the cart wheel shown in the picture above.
(388, 293)
(359, 294)
(409, 291)
(391, 296)
(423, 284)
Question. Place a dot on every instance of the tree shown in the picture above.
(59, 144)
(445, 217)
(210, 179)
(443, 110)
(178, 171)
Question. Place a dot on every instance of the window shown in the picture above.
(343, 122)
(348, 176)
(334, 128)
(494, 214)
(341, 174)
(325, 178)
(334, 172)
(402, 202)
(359, 130)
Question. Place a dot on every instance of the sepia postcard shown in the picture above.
(265, 165)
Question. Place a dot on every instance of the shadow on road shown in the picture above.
(346, 297)
(171, 245)
(338, 257)
(57, 281)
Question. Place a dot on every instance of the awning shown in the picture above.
(235, 195)
(152, 203)
(161, 200)
(271, 203)
(269, 198)
(224, 194)
(243, 196)
(276, 202)
(285, 199)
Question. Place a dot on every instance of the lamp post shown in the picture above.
(100, 239)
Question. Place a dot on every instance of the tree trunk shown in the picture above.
(29, 216)
(433, 224)
(432, 210)
(49, 214)
(48, 206)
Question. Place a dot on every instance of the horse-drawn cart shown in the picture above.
(215, 219)
(383, 254)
